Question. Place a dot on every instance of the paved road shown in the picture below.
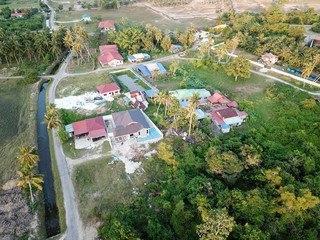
(70, 203)
(279, 80)
(52, 24)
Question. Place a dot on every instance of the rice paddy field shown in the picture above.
(17, 123)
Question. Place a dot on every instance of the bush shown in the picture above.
(30, 77)
(63, 134)
(316, 27)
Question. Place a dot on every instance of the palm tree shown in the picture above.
(155, 73)
(52, 117)
(27, 178)
(168, 98)
(27, 156)
(193, 105)
(159, 98)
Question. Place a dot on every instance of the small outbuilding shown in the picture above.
(86, 17)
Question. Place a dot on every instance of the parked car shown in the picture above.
(182, 54)
(97, 98)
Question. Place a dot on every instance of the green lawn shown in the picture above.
(20, 4)
(18, 109)
(73, 66)
(101, 187)
(138, 15)
(81, 84)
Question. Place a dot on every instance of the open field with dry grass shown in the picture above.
(81, 84)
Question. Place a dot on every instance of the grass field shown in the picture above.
(18, 109)
(101, 187)
(21, 4)
(138, 15)
(81, 84)
(70, 151)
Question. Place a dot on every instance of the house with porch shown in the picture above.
(16, 15)
(218, 99)
(139, 57)
(110, 56)
(175, 48)
(183, 95)
(86, 17)
(225, 118)
(106, 26)
(131, 124)
(148, 69)
(109, 90)
(93, 129)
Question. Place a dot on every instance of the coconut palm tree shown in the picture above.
(27, 178)
(193, 105)
(52, 117)
(168, 98)
(27, 156)
(159, 98)
(155, 73)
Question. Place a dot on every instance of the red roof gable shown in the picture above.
(109, 53)
(218, 98)
(16, 14)
(107, 24)
(217, 118)
(232, 104)
(108, 88)
(94, 126)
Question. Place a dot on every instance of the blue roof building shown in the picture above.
(139, 57)
(86, 17)
(151, 92)
(148, 68)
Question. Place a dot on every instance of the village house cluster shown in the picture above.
(134, 125)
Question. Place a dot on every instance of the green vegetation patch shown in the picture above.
(142, 84)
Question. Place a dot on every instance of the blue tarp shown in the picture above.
(86, 16)
(102, 101)
(225, 126)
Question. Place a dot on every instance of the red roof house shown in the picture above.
(94, 127)
(18, 15)
(137, 99)
(226, 117)
(109, 55)
(110, 89)
(218, 98)
(107, 25)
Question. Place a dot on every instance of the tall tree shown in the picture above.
(193, 105)
(27, 178)
(166, 43)
(27, 156)
(217, 225)
(239, 67)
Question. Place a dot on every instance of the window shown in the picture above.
(147, 131)
(139, 133)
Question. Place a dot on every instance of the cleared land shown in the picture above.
(101, 187)
(20, 4)
(82, 84)
(138, 15)
(18, 109)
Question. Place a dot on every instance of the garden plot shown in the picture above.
(85, 101)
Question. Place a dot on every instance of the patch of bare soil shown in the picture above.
(15, 214)
(90, 231)
(248, 90)
(195, 9)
